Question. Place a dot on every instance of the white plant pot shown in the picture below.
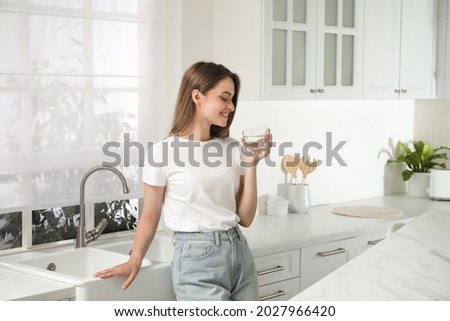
(418, 185)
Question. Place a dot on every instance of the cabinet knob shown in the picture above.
(403, 91)
(397, 91)
(320, 90)
(313, 91)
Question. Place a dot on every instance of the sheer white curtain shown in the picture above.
(74, 75)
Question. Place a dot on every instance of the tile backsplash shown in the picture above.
(369, 128)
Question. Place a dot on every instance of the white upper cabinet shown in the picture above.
(312, 49)
(443, 69)
(399, 49)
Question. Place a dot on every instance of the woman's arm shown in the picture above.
(247, 197)
(145, 232)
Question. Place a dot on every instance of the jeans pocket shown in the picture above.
(196, 250)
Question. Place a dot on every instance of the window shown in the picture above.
(10, 230)
(74, 75)
(60, 223)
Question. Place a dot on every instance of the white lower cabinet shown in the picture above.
(278, 275)
(283, 275)
(365, 242)
(317, 261)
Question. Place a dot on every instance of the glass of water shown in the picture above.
(255, 138)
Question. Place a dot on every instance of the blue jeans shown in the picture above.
(216, 266)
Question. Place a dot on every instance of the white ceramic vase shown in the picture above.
(418, 185)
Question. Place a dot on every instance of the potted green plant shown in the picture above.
(419, 160)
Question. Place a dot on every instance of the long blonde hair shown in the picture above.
(202, 76)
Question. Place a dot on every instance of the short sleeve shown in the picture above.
(153, 172)
(239, 159)
(237, 154)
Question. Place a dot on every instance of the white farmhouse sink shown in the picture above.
(161, 249)
(77, 266)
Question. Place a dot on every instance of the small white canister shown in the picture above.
(277, 205)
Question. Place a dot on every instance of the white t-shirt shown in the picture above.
(201, 179)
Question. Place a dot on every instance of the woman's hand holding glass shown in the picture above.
(256, 145)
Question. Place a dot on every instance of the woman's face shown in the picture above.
(216, 105)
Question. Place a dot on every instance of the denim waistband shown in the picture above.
(216, 236)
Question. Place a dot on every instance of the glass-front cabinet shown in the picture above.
(312, 49)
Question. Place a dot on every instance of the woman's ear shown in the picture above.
(196, 96)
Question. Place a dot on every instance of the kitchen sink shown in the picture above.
(161, 249)
(77, 266)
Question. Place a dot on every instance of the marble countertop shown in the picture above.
(272, 234)
(267, 235)
(411, 264)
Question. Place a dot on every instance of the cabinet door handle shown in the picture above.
(397, 91)
(320, 90)
(332, 252)
(373, 242)
(274, 295)
(403, 91)
(278, 268)
(313, 91)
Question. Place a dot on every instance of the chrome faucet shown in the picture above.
(83, 237)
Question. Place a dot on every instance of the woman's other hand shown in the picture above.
(129, 270)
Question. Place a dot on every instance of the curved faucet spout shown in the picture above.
(82, 238)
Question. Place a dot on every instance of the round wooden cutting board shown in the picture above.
(367, 211)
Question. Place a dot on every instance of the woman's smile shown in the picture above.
(225, 115)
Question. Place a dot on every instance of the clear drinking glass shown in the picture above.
(254, 138)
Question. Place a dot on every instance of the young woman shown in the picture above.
(205, 186)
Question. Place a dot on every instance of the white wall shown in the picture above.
(237, 48)
(197, 32)
(211, 30)
(188, 40)
(432, 122)
(370, 128)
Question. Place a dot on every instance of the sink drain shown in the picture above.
(51, 267)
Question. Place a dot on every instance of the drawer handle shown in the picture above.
(332, 252)
(374, 242)
(272, 296)
(278, 268)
